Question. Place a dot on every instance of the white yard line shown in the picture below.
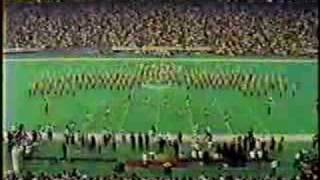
(159, 113)
(185, 59)
(4, 94)
(125, 116)
(192, 124)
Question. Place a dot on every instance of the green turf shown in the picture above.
(126, 154)
(290, 115)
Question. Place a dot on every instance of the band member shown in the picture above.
(226, 118)
(294, 89)
(147, 141)
(140, 142)
(206, 112)
(269, 103)
(133, 141)
(46, 106)
(188, 101)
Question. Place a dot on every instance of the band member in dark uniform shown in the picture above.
(50, 133)
(114, 143)
(64, 151)
(162, 143)
(176, 148)
(133, 141)
(140, 142)
(82, 140)
(272, 144)
(315, 140)
(93, 142)
(180, 137)
(34, 135)
(73, 139)
(147, 141)
(281, 144)
(269, 105)
(46, 106)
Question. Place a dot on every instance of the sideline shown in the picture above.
(175, 59)
(188, 138)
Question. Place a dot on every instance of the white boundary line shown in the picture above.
(4, 94)
(183, 59)
(125, 114)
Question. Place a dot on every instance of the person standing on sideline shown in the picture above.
(67, 134)
(140, 141)
(50, 132)
(315, 140)
(114, 143)
(133, 141)
(176, 149)
(144, 159)
(272, 144)
(180, 136)
(147, 141)
(16, 154)
(274, 167)
(281, 144)
(64, 151)
(162, 143)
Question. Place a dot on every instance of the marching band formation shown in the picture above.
(248, 83)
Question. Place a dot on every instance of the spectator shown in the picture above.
(254, 30)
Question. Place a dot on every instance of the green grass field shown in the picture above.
(291, 115)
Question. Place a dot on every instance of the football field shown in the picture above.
(162, 105)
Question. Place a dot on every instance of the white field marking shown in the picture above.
(125, 119)
(191, 119)
(4, 94)
(158, 119)
(189, 138)
(227, 125)
(159, 113)
(185, 59)
(125, 115)
(258, 122)
(190, 113)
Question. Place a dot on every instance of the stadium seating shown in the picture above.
(232, 30)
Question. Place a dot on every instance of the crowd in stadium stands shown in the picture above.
(221, 1)
(232, 30)
(241, 1)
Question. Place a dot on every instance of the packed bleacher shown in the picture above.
(226, 29)
(221, 1)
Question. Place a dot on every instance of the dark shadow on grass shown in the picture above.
(57, 159)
